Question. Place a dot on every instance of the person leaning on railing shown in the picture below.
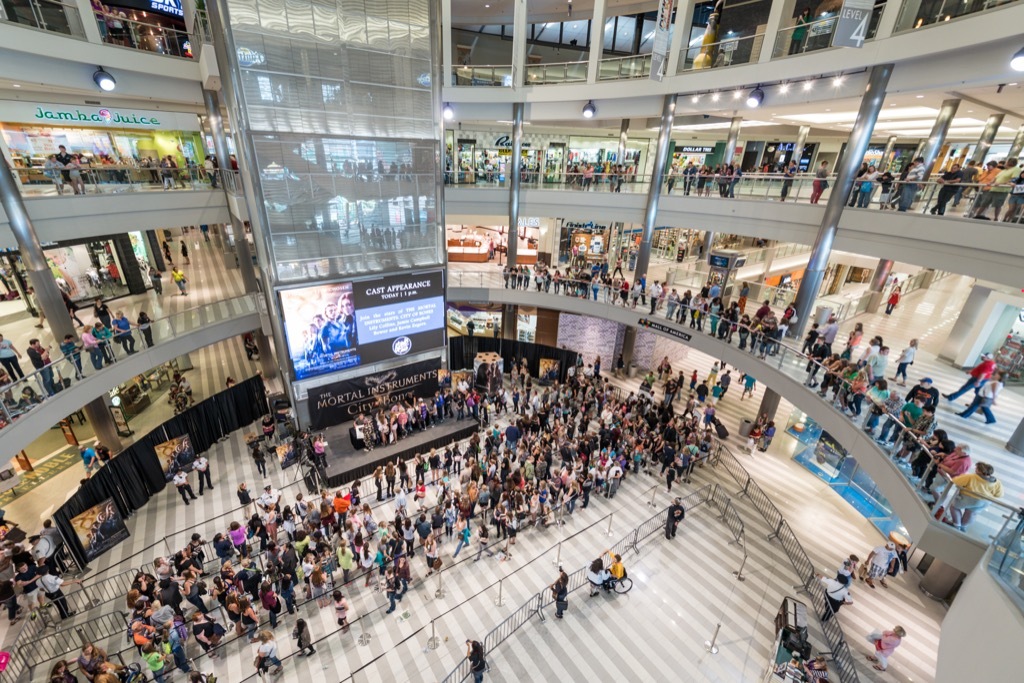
(975, 491)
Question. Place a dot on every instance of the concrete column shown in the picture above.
(129, 264)
(733, 140)
(48, 295)
(623, 138)
(1018, 144)
(596, 41)
(938, 135)
(89, 24)
(920, 148)
(798, 148)
(769, 403)
(155, 250)
(628, 345)
(987, 136)
(780, 15)
(515, 178)
(1016, 442)
(890, 145)
(856, 146)
(877, 285)
(643, 259)
(680, 35)
(709, 242)
(519, 36)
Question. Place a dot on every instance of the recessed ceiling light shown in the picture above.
(808, 85)
(737, 94)
(714, 97)
(920, 97)
(16, 85)
(1012, 85)
(828, 110)
(784, 88)
(970, 111)
(695, 99)
(837, 81)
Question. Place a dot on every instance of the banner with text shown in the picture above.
(662, 40)
(341, 401)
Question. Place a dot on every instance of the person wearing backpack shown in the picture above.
(477, 663)
(175, 635)
(155, 661)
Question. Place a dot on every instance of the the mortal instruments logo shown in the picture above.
(97, 116)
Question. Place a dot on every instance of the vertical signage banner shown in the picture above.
(852, 28)
(659, 52)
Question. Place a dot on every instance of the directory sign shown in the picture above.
(852, 28)
(342, 325)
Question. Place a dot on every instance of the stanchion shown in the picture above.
(558, 556)
(439, 593)
(739, 572)
(709, 645)
(610, 518)
(654, 493)
(434, 642)
(500, 600)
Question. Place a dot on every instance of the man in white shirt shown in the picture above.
(656, 290)
(184, 488)
(51, 584)
(837, 593)
(202, 466)
(270, 497)
(614, 479)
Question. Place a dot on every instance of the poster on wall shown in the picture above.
(99, 528)
(340, 402)
(549, 369)
(343, 325)
(175, 455)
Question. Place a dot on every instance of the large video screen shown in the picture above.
(344, 325)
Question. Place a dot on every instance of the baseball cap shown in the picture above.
(267, 487)
(927, 379)
(986, 356)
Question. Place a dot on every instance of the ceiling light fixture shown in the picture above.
(589, 110)
(448, 113)
(784, 88)
(920, 97)
(737, 94)
(103, 80)
(714, 97)
(695, 99)
(1017, 62)
(755, 98)
(808, 85)
(837, 81)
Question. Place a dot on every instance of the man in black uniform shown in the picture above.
(676, 514)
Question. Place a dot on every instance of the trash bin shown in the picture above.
(822, 314)
(746, 424)
(631, 370)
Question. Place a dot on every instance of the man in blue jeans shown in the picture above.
(909, 189)
(40, 357)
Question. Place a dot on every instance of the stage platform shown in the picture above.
(345, 463)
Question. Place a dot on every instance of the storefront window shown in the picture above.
(486, 243)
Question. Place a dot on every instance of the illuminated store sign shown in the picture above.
(95, 116)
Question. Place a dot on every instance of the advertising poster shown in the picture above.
(343, 325)
(286, 455)
(489, 369)
(176, 454)
(341, 401)
(99, 528)
(549, 369)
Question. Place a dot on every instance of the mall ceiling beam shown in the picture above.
(860, 138)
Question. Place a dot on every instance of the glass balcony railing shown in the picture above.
(728, 52)
(919, 14)
(45, 15)
(21, 395)
(116, 29)
(483, 75)
(564, 72)
(79, 180)
(1007, 560)
(624, 68)
(816, 35)
(577, 181)
(846, 389)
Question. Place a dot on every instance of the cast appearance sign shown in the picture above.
(342, 401)
(346, 324)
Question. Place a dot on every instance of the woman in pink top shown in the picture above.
(92, 345)
(885, 644)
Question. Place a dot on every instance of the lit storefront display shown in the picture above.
(483, 243)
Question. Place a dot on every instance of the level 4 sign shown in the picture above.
(852, 27)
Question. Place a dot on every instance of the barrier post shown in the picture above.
(540, 606)
(709, 645)
(654, 493)
(439, 593)
(433, 642)
(558, 555)
(500, 601)
(610, 518)
(739, 573)
(778, 528)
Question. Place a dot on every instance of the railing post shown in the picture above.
(610, 518)
(778, 528)
(654, 492)
(500, 601)
(635, 541)
(540, 607)
(433, 642)
(440, 593)
(558, 556)
(709, 645)
(739, 572)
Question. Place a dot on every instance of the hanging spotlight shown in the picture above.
(837, 81)
(589, 110)
(695, 99)
(784, 88)
(448, 113)
(104, 80)
(1017, 63)
(808, 85)
(736, 94)
(714, 97)
(755, 98)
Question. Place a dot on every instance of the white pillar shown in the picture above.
(519, 44)
(779, 16)
(596, 41)
(446, 48)
(680, 31)
(89, 25)
(887, 23)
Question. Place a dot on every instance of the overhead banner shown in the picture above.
(660, 49)
(340, 402)
(341, 325)
(852, 28)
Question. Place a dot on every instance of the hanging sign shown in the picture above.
(852, 28)
(660, 49)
